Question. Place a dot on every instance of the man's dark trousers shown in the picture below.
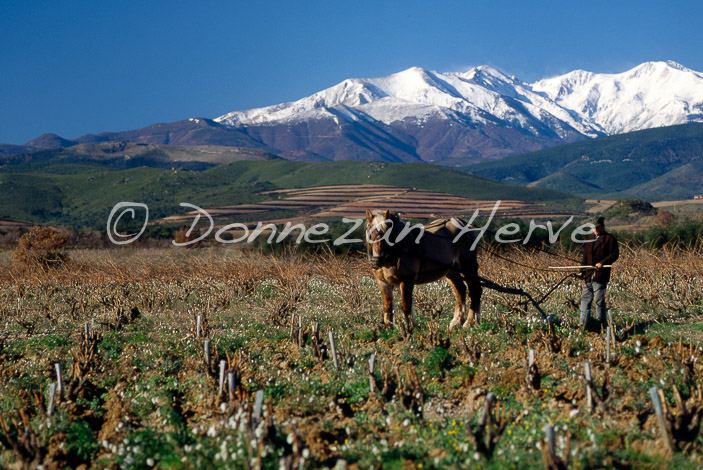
(594, 292)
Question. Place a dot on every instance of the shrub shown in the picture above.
(664, 218)
(628, 208)
(184, 235)
(41, 246)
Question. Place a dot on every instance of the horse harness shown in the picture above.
(396, 250)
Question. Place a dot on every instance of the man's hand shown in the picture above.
(599, 265)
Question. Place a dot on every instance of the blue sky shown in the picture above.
(80, 67)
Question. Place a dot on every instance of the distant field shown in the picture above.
(352, 201)
(665, 204)
(598, 205)
(11, 224)
(684, 209)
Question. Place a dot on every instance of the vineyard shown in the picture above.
(217, 358)
(326, 202)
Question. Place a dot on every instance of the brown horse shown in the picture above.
(404, 255)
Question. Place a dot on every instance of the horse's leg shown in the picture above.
(387, 295)
(460, 293)
(406, 293)
(475, 291)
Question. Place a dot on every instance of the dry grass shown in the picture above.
(143, 391)
(647, 286)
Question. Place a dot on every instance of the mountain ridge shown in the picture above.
(124, 154)
(452, 119)
(480, 93)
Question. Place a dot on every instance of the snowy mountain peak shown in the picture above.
(652, 94)
(486, 71)
(676, 65)
(659, 67)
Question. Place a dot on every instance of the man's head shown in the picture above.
(599, 223)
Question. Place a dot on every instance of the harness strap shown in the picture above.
(419, 269)
(492, 285)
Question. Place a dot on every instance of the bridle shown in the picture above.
(376, 233)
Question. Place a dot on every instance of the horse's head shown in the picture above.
(378, 229)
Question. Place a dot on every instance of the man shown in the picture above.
(601, 250)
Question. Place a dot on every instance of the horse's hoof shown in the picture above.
(467, 325)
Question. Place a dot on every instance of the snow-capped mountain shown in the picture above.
(653, 94)
(454, 118)
(482, 95)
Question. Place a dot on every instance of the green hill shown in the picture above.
(31, 198)
(84, 198)
(680, 183)
(565, 181)
(649, 164)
